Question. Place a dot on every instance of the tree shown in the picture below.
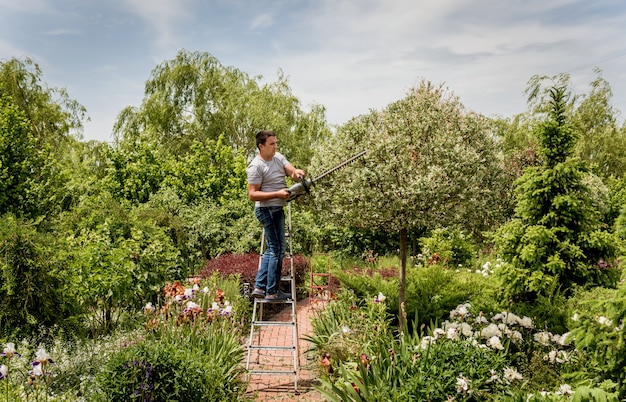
(24, 166)
(557, 238)
(29, 287)
(194, 98)
(42, 143)
(601, 141)
(53, 117)
(429, 163)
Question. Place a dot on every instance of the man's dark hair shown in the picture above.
(262, 136)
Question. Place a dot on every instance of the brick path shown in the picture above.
(279, 387)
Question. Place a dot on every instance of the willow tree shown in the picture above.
(429, 163)
(52, 115)
(194, 97)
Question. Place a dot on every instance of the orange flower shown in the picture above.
(326, 363)
(219, 296)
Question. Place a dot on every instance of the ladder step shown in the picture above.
(266, 347)
(273, 323)
(271, 372)
(263, 301)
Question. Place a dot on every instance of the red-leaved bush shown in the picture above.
(246, 265)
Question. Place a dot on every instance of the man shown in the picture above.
(267, 187)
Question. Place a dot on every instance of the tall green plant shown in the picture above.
(557, 239)
(115, 259)
(29, 282)
(598, 330)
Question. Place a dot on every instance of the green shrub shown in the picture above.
(170, 371)
(598, 330)
(447, 246)
(191, 350)
(470, 357)
(432, 291)
(29, 284)
(343, 330)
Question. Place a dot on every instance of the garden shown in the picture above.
(471, 258)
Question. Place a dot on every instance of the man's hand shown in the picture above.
(298, 174)
(284, 194)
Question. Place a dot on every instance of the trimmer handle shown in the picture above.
(301, 188)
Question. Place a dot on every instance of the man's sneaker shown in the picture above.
(258, 293)
(280, 296)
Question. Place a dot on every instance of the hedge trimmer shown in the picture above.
(304, 186)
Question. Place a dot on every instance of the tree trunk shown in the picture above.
(402, 285)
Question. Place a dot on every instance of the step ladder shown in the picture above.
(271, 356)
(319, 279)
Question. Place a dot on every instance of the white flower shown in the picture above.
(565, 389)
(550, 356)
(481, 320)
(37, 370)
(514, 336)
(188, 293)
(452, 333)
(512, 319)
(511, 374)
(466, 330)
(438, 333)
(556, 356)
(604, 321)
(345, 329)
(205, 290)
(192, 306)
(495, 343)
(463, 384)
(426, 342)
(575, 317)
(195, 287)
(380, 298)
(499, 317)
(9, 350)
(42, 356)
(560, 339)
(526, 322)
(461, 311)
(215, 306)
(148, 307)
(4, 371)
(494, 377)
(543, 338)
(490, 330)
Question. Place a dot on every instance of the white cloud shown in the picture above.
(347, 55)
(164, 17)
(261, 21)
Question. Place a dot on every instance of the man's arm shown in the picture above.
(294, 173)
(255, 193)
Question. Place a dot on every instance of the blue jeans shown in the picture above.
(273, 220)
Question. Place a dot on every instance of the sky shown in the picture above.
(351, 56)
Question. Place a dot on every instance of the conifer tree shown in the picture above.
(557, 239)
